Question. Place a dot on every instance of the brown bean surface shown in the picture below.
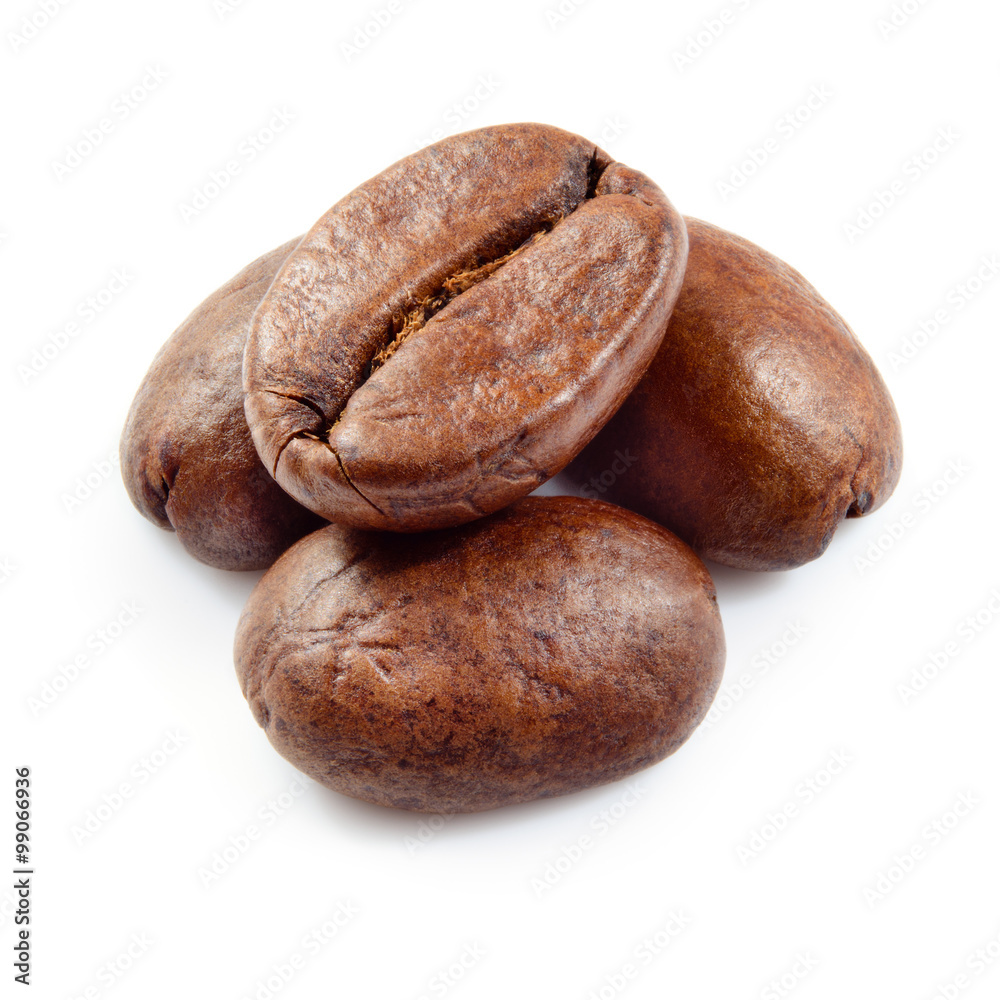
(760, 425)
(187, 458)
(556, 645)
(452, 332)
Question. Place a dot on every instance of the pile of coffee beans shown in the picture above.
(365, 410)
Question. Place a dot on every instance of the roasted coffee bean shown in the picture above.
(761, 423)
(452, 332)
(187, 459)
(558, 644)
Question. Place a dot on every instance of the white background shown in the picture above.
(806, 913)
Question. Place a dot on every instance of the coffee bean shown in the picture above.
(556, 645)
(451, 333)
(762, 422)
(187, 459)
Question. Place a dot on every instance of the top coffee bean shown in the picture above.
(449, 335)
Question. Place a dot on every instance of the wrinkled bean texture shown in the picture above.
(187, 458)
(559, 644)
(760, 425)
(450, 334)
